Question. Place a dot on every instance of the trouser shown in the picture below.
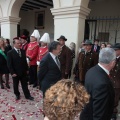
(116, 102)
(33, 74)
(69, 74)
(6, 77)
(65, 76)
(24, 85)
(82, 82)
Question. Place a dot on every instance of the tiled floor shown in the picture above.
(23, 109)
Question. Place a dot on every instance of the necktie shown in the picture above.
(19, 53)
(95, 48)
(57, 61)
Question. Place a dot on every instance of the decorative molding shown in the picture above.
(10, 19)
(73, 11)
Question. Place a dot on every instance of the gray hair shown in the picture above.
(72, 46)
(107, 55)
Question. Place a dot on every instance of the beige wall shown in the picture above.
(107, 8)
(28, 21)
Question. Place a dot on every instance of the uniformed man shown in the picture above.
(86, 60)
(64, 57)
(31, 53)
(115, 76)
(24, 42)
(43, 49)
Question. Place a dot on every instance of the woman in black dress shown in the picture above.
(7, 45)
(3, 65)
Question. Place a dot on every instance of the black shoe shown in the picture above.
(35, 85)
(2, 86)
(113, 119)
(3, 81)
(30, 98)
(7, 85)
(17, 97)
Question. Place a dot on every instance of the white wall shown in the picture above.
(28, 22)
(100, 8)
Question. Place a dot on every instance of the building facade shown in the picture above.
(62, 17)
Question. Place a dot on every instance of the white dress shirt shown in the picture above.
(104, 69)
(54, 58)
(16, 49)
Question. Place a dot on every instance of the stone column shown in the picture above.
(9, 27)
(70, 22)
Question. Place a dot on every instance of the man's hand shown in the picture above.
(14, 75)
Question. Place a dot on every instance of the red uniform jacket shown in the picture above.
(24, 46)
(42, 52)
(32, 52)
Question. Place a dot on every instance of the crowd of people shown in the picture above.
(94, 90)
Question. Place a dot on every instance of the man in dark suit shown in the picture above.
(96, 47)
(100, 88)
(18, 68)
(65, 57)
(49, 71)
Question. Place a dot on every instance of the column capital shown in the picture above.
(10, 19)
(68, 12)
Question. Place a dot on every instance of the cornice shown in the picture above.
(9, 19)
(73, 11)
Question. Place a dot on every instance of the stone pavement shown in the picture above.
(23, 109)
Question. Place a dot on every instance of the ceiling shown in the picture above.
(36, 4)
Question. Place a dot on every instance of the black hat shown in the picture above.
(116, 46)
(87, 42)
(62, 37)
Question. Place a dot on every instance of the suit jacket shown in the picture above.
(101, 104)
(97, 50)
(85, 62)
(16, 64)
(65, 58)
(48, 73)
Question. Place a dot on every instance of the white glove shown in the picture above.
(38, 63)
(27, 60)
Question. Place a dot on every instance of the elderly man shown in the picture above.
(100, 88)
(115, 77)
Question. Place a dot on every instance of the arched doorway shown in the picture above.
(37, 14)
(69, 19)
